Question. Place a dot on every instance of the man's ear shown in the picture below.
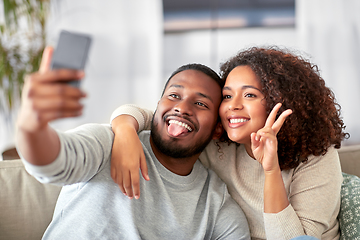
(218, 131)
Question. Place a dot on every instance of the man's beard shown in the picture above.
(171, 149)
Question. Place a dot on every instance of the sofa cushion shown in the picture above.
(350, 159)
(349, 216)
(26, 205)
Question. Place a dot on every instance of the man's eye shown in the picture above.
(201, 104)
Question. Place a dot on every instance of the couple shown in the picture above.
(183, 200)
(294, 186)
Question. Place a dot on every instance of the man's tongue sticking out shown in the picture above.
(175, 129)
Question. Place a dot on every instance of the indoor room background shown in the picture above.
(137, 44)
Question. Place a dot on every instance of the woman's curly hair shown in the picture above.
(315, 123)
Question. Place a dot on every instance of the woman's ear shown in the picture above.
(218, 131)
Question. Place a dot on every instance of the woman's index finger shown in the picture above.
(280, 121)
(272, 116)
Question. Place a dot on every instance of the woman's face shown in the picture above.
(242, 110)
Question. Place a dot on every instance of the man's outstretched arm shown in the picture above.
(45, 97)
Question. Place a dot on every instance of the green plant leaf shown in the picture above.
(15, 61)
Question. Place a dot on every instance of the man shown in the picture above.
(183, 200)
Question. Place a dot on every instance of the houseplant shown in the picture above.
(22, 41)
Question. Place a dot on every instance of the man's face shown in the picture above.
(186, 115)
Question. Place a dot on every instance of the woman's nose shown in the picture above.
(236, 103)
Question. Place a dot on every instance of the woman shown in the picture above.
(294, 186)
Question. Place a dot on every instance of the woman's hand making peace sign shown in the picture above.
(264, 141)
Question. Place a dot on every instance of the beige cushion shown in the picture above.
(26, 206)
(350, 159)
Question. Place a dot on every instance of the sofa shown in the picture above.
(26, 206)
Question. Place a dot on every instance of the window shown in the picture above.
(188, 15)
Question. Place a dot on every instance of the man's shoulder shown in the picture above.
(144, 137)
(215, 178)
(144, 134)
(227, 210)
(216, 185)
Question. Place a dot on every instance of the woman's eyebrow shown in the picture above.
(243, 87)
(250, 86)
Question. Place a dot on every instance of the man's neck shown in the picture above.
(179, 166)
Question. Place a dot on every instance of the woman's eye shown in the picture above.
(250, 95)
(227, 96)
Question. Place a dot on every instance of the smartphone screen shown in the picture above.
(71, 51)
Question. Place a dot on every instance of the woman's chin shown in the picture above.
(235, 138)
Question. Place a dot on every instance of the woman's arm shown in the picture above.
(314, 195)
(311, 206)
(264, 148)
(142, 116)
(126, 121)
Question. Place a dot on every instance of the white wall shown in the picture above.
(213, 47)
(330, 32)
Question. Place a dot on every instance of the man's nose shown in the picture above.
(184, 107)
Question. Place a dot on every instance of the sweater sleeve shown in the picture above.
(142, 116)
(84, 151)
(314, 201)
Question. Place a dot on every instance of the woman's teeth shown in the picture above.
(238, 120)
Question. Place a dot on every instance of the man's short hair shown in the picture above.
(198, 67)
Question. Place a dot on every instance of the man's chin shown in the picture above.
(176, 147)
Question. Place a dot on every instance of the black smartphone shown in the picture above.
(71, 52)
